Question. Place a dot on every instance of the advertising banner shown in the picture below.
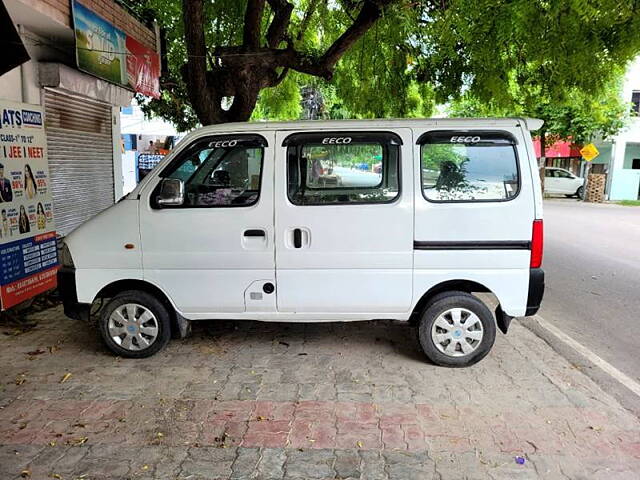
(109, 53)
(28, 253)
(143, 68)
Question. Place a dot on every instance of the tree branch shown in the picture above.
(252, 24)
(371, 11)
(194, 72)
(307, 18)
(280, 23)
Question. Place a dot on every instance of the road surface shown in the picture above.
(592, 265)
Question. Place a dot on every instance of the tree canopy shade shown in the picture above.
(231, 59)
(577, 116)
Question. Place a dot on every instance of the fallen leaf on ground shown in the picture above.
(66, 377)
(359, 444)
(20, 379)
(260, 418)
(26, 473)
(36, 352)
(56, 476)
(52, 443)
(284, 343)
(595, 429)
(77, 441)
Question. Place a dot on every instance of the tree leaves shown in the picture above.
(554, 59)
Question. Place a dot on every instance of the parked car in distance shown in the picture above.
(561, 181)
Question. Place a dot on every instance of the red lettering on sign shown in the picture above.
(15, 152)
(35, 152)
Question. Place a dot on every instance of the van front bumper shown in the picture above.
(536, 291)
(67, 288)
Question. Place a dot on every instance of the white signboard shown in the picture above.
(28, 254)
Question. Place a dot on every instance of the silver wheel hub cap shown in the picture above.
(133, 326)
(457, 332)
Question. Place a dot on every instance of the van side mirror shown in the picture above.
(171, 192)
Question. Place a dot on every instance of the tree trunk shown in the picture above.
(241, 72)
(543, 157)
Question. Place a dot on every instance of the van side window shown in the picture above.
(219, 172)
(341, 168)
(469, 166)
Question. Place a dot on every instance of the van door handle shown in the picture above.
(254, 233)
(297, 238)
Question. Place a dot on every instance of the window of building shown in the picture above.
(343, 168)
(220, 172)
(635, 164)
(469, 166)
(635, 99)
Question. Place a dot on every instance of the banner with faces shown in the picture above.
(28, 254)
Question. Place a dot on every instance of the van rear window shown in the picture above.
(469, 166)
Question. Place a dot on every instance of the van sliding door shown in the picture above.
(344, 223)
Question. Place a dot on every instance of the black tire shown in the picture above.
(580, 193)
(147, 301)
(440, 304)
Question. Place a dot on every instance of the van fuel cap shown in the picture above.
(268, 287)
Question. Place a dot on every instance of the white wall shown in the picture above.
(10, 85)
(625, 182)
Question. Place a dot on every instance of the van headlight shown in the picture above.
(66, 260)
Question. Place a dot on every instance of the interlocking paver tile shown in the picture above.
(238, 400)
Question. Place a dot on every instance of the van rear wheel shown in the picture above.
(135, 324)
(456, 329)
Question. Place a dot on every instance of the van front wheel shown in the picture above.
(135, 324)
(456, 330)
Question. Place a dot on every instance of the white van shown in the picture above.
(321, 222)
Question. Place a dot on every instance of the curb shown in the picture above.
(606, 376)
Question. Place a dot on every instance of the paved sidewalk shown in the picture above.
(276, 401)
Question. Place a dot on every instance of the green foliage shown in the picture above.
(554, 59)
(281, 102)
(561, 61)
(579, 116)
(546, 47)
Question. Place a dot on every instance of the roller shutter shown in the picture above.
(80, 148)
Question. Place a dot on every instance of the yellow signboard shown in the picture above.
(589, 152)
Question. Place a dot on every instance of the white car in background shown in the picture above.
(561, 181)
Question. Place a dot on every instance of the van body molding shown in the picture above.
(473, 245)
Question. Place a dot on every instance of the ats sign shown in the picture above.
(28, 252)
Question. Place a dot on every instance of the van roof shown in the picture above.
(528, 123)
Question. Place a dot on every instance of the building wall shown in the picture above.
(46, 27)
(60, 10)
(632, 151)
(623, 182)
(11, 85)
